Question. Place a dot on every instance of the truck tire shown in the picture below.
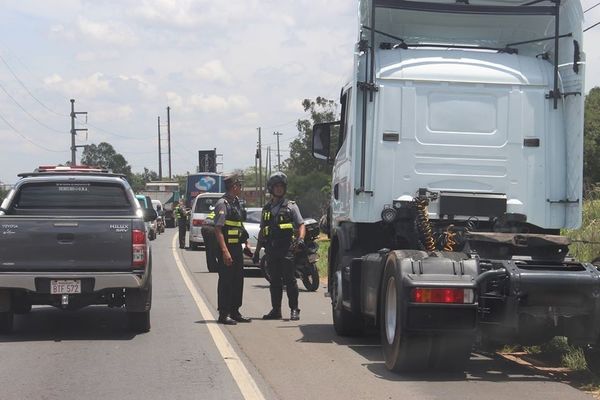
(310, 277)
(345, 323)
(592, 358)
(402, 351)
(6, 322)
(139, 322)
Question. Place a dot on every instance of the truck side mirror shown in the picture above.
(321, 140)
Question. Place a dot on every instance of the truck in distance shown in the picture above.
(456, 162)
(168, 194)
(72, 237)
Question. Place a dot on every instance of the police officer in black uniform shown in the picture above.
(182, 222)
(230, 234)
(281, 221)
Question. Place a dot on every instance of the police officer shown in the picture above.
(181, 214)
(211, 246)
(280, 222)
(230, 234)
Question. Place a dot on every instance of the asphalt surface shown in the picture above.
(89, 353)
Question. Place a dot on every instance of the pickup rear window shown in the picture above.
(71, 195)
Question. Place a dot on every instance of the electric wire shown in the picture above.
(28, 139)
(28, 113)
(588, 28)
(592, 7)
(27, 89)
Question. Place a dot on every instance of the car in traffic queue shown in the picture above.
(202, 205)
(252, 225)
(146, 203)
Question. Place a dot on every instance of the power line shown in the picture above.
(27, 89)
(28, 139)
(28, 113)
(594, 6)
(596, 24)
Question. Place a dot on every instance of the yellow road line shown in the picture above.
(238, 370)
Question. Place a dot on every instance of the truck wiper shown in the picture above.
(403, 45)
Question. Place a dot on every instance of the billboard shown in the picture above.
(207, 160)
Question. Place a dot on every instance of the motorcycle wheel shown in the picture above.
(310, 277)
(265, 269)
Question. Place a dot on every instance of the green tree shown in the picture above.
(310, 179)
(104, 155)
(138, 180)
(591, 145)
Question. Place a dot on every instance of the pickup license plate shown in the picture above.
(65, 286)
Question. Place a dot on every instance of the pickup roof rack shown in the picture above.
(44, 170)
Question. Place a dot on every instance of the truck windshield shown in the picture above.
(71, 195)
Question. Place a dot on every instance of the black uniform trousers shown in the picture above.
(282, 270)
(231, 281)
(211, 247)
(182, 233)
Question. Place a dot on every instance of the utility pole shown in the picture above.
(260, 172)
(169, 137)
(159, 153)
(278, 154)
(74, 132)
(268, 163)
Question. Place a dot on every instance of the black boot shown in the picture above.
(294, 314)
(236, 316)
(226, 320)
(273, 314)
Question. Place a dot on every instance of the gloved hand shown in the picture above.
(256, 257)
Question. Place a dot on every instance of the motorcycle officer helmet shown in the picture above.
(276, 178)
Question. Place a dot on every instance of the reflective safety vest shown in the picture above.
(210, 219)
(233, 229)
(278, 230)
(180, 214)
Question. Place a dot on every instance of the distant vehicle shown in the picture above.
(168, 193)
(203, 204)
(146, 203)
(160, 221)
(202, 183)
(252, 225)
(73, 237)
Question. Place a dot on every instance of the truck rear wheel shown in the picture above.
(345, 323)
(402, 351)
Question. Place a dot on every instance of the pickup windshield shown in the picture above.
(71, 195)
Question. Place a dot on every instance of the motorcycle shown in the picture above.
(305, 259)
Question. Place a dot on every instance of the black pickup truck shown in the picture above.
(73, 237)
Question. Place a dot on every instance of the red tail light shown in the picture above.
(197, 222)
(442, 295)
(139, 249)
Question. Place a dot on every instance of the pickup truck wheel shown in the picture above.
(21, 307)
(139, 322)
(6, 322)
(402, 351)
(345, 323)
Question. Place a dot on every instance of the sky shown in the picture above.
(224, 68)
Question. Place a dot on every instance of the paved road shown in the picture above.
(90, 354)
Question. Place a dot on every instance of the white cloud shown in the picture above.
(215, 103)
(110, 33)
(91, 86)
(95, 56)
(213, 71)
(59, 28)
(174, 100)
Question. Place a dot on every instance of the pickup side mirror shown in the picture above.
(150, 214)
(321, 141)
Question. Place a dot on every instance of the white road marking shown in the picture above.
(238, 370)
